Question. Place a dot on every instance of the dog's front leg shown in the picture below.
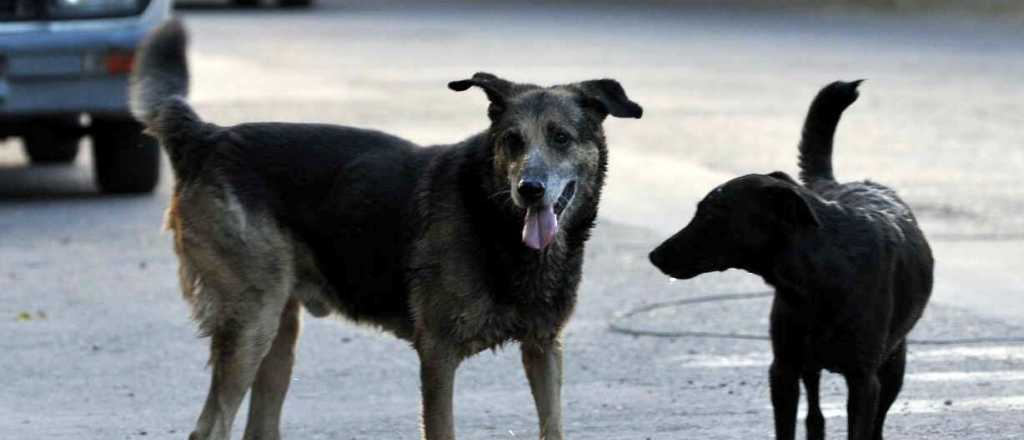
(784, 381)
(543, 364)
(861, 405)
(438, 362)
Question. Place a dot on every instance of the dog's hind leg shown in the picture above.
(890, 377)
(237, 347)
(543, 364)
(273, 377)
(239, 276)
(815, 420)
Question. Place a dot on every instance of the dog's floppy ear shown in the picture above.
(782, 176)
(793, 210)
(498, 90)
(607, 97)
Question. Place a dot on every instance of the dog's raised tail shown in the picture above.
(820, 128)
(158, 91)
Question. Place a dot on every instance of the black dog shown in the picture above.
(851, 269)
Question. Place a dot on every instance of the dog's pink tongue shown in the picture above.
(539, 227)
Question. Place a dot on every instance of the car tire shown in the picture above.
(246, 3)
(295, 3)
(125, 160)
(51, 145)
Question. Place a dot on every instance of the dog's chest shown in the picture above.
(841, 348)
(474, 283)
(536, 315)
(825, 354)
(480, 304)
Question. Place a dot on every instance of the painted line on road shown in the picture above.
(995, 352)
(724, 361)
(968, 376)
(1011, 353)
(929, 406)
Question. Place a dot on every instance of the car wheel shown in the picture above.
(51, 145)
(295, 3)
(125, 160)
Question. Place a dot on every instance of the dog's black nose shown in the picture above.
(656, 258)
(531, 190)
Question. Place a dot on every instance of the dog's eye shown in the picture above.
(561, 139)
(514, 142)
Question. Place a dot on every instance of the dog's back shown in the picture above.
(337, 196)
(874, 212)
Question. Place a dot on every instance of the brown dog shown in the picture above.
(456, 248)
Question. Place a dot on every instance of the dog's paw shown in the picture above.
(552, 436)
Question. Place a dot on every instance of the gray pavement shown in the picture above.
(98, 343)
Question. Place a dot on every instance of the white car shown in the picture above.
(64, 68)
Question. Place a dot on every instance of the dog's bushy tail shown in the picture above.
(820, 128)
(158, 90)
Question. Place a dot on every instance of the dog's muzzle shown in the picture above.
(564, 199)
(541, 222)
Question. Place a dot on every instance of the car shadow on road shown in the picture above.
(228, 6)
(25, 183)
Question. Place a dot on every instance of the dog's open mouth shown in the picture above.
(541, 222)
(565, 198)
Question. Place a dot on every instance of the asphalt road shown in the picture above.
(98, 344)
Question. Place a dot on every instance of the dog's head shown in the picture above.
(740, 224)
(548, 146)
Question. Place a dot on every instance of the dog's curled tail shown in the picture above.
(820, 128)
(158, 90)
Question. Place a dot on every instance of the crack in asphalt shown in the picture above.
(618, 323)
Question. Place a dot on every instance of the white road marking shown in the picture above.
(995, 352)
(928, 406)
(1012, 353)
(724, 361)
(967, 376)
(923, 356)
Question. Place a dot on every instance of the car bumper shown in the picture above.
(65, 96)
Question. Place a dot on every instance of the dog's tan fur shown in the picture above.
(237, 270)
